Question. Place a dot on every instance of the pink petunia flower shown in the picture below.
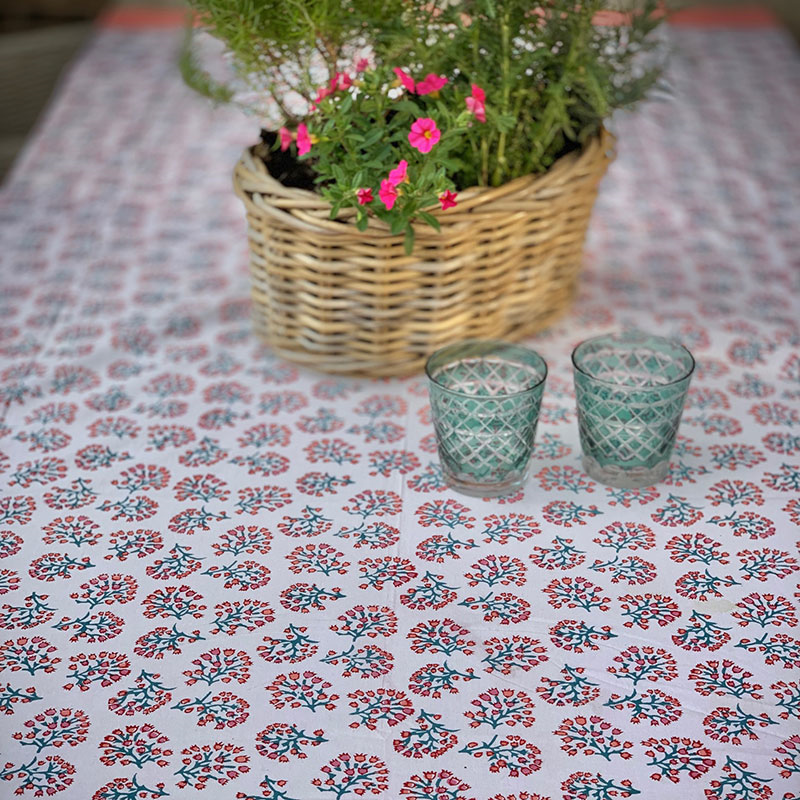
(399, 173)
(424, 134)
(362, 64)
(341, 81)
(430, 83)
(405, 79)
(364, 196)
(448, 199)
(303, 139)
(388, 194)
(322, 93)
(477, 103)
(286, 138)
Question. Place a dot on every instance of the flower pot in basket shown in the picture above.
(504, 265)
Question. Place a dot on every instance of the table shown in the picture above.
(221, 570)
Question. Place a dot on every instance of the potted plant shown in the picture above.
(426, 169)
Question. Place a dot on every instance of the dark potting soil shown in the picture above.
(282, 165)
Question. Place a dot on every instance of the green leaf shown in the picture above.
(408, 242)
(362, 221)
(398, 223)
(426, 216)
(373, 137)
(409, 106)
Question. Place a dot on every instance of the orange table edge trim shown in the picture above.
(143, 18)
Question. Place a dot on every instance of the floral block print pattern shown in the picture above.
(222, 571)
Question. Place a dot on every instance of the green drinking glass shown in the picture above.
(485, 398)
(630, 390)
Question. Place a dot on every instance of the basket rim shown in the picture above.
(252, 171)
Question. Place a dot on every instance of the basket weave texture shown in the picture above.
(504, 266)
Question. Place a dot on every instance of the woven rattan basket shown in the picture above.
(504, 265)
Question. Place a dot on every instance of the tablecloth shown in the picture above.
(222, 571)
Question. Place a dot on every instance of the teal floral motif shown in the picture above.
(780, 648)
(42, 776)
(675, 755)
(512, 753)
(442, 785)
(573, 689)
(281, 740)
(576, 636)
(54, 728)
(433, 680)
(726, 724)
(146, 695)
(179, 563)
(788, 695)
(33, 611)
(593, 786)
(377, 705)
(238, 615)
(502, 607)
(738, 783)
(429, 480)
(222, 710)
(505, 528)
(220, 762)
(369, 661)
(358, 773)
(788, 760)
(432, 593)
(505, 654)
(702, 585)
(273, 788)
(678, 511)
(163, 640)
(220, 664)
(137, 745)
(50, 566)
(440, 547)
(295, 645)
(568, 513)
(724, 678)
(430, 738)
(701, 633)
(696, 547)
(592, 736)
(651, 705)
(562, 555)
(30, 655)
(11, 697)
(495, 707)
(129, 789)
(641, 610)
(764, 610)
(92, 628)
(767, 562)
(302, 690)
(105, 668)
(493, 569)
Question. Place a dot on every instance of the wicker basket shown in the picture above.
(504, 265)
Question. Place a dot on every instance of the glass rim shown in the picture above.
(488, 343)
(633, 335)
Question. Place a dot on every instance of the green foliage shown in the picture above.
(550, 74)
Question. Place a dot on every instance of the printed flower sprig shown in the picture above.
(381, 143)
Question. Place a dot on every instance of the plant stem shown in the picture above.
(506, 68)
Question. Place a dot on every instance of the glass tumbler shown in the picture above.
(630, 389)
(485, 398)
